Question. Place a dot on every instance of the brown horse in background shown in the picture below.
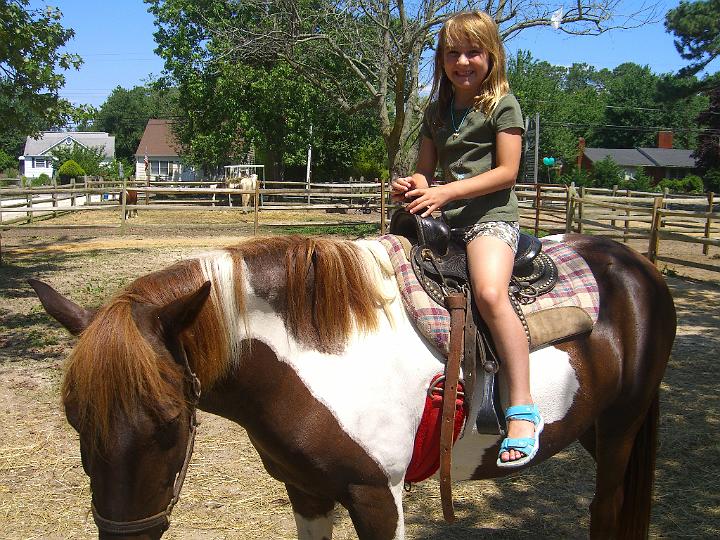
(131, 199)
(306, 344)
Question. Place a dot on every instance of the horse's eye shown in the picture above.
(167, 432)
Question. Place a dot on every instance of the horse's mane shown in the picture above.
(330, 292)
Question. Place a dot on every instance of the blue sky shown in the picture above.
(115, 39)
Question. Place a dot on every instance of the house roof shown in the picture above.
(158, 139)
(644, 157)
(47, 140)
(670, 157)
(629, 157)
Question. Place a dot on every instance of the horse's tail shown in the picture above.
(634, 519)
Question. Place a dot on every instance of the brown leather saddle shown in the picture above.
(439, 259)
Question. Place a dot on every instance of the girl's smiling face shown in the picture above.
(467, 66)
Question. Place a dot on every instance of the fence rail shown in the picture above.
(619, 213)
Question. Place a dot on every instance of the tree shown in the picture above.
(696, 26)
(378, 44)
(125, 114)
(707, 155)
(89, 159)
(30, 40)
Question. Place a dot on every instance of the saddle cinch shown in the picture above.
(439, 260)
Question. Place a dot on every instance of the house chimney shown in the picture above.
(665, 139)
(581, 152)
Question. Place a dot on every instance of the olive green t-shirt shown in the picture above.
(470, 151)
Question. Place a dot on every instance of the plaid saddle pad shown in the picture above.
(575, 296)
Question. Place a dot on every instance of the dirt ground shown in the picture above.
(44, 492)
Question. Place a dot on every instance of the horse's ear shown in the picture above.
(180, 313)
(64, 311)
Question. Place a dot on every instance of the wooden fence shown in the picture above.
(622, 214)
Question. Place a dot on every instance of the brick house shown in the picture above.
(661, 162)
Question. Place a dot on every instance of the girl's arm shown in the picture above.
(424, 171)
(507, 163)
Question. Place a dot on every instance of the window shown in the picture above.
(160, 168)
(40, 162)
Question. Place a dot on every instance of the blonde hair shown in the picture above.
(478, 28)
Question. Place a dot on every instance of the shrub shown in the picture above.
(42, 180)
(689, 184)
(70, 169)
(606, 173)
(7, 161)
(640, 182)
(579, 176)
(712, 180)
(11, 173)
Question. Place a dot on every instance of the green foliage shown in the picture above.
(640, 181)
(712, 180)
(369, 160)
(88, 158)
(125, 114)
(112, 169)
(70, 169)
(580, 177)
(43, 179)
(696, 26)
(11, 172)
(689, 184)
(30, 57)
(7, 161)
(606, 173)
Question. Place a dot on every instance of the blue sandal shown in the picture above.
(527, 445)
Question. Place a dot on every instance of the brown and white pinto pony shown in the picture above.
(306, 344)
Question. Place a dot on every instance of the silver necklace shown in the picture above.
(456, 129)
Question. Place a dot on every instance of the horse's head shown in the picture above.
(130, 394)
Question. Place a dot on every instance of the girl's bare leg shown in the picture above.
(490, 261)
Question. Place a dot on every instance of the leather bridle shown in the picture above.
(161, 519)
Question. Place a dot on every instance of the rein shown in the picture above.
(161, 519)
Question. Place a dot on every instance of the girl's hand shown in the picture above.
(427, 200)
(400, 187)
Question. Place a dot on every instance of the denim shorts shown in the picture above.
(507, 231)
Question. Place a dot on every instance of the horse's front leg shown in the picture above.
(313, 515)
(376, 512)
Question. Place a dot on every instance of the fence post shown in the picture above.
(72, 192)
(580, 209)
(626, 229)
(614, 194)
(147, 193)
(123, 206)
(1, 218)
(664, 204)
(29, 199)
(256, 204)
(87, 190)
(382, 204)
(654, 230)
(54, 199)
(710, 197)
(569, 207)
(537, 208)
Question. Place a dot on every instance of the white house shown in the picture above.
(157, 155)
(37, 157)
